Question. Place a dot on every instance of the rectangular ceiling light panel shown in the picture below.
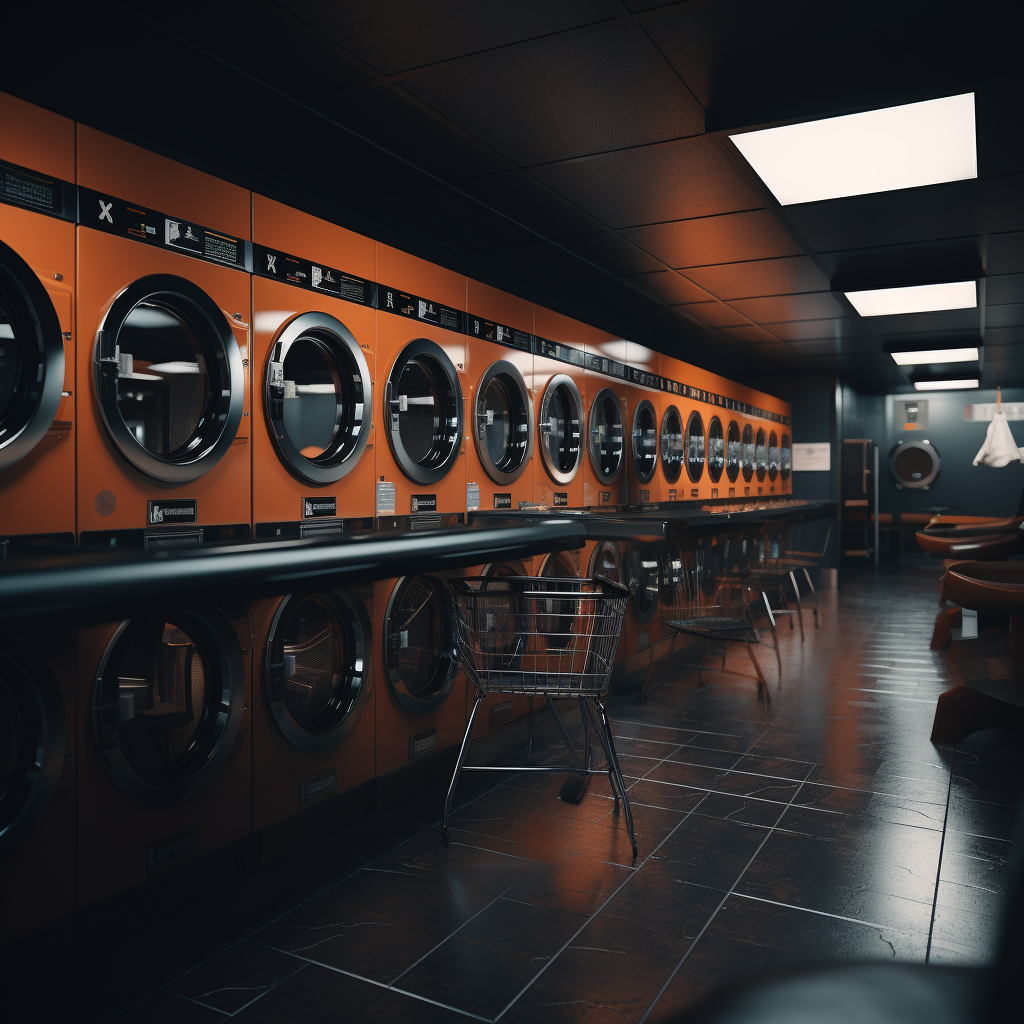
(945, 385)
(936, 355)
(877, 151)
(919, 298)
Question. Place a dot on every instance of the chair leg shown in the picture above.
(458, 766)
(775, 635)
(613, 759)
(814, 594)
(762, 683)
(799, 606)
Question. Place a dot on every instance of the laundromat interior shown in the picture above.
(512, 512)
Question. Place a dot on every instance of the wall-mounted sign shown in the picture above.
(814, 457)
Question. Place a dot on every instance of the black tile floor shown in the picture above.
(823, 826)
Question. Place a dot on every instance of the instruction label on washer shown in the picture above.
(385, 498)
(502, 500)
(423, 503)
(472, 497)
(172, 510)
(319, 507)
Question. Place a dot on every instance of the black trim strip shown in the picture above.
(20, 186)
(414, 307)
(315, 277)
(499, 334)
(119, 217)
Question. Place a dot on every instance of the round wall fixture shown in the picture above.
(167, 703)
(773, 455)
(31, 359)
(561, 426)
(606, 435)
(760, 455)
(786, 457)
(695, 451)
(914, 464)
(503, 422)
(419, 643)
(317, 667)
(423, 411)
(673, 451)
(318, 398)
(169, 378)
(32, 741)
(716, 450)
(747, 453)
(645, 441)
(733, 452)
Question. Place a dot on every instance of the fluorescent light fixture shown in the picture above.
(936, 355)
(945, 385)
(919, 298)
(878, 151)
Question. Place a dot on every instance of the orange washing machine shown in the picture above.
(500, 414)
(37, 350)
(642, 575)
(419, 420)
(37, 786)
(313, 714)
(671, 450)
(608, 426)
(558, 388)
(164, 766)
(785, 462)
(313, 346)
(420, 692)
(695, 483)
(163, 368)
(761, 460)
(643, 472)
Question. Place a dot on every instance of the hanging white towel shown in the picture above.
(999, 448)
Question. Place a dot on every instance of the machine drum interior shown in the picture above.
(747, 451)
(503, 431)
(760, 455)
(606, 440)
(673, 451)
(733, 452)
(716, 450)
(645, 441)
(561, 416)
(169, 378)
(424, 414)
(695, 452)
(606, 562)
(318, 398)
(914, 464)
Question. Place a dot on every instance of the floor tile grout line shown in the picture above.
(611, 896)
(938, 868)
(836, 917)
(707, 924)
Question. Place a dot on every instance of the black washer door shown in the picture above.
(169, 378)
(419, 643)
(773, 455)
(695, 452)
(503, 422)
(606, 562)
(317, 666)
(423, 414)
(606, 435)
(786, 457)
(166, 704)
(716, 450)
(32, 740)
(748, 453)
(31, 359)
(561, 418)
(760, 455)
(733, 452)
(644, 580)
(318, 398)
(673, 451)
(645, 441)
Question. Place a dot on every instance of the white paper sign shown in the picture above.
(815, 457)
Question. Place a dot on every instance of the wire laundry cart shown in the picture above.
(542, 637)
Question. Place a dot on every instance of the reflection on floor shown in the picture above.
(822, 827)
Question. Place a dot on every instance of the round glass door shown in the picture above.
(32, 741)
(673, 451)
(169, 378)
(317, 397)
(166, 704)
(645, 441)
(606, 561)
(606, 435)
(695, 447)
(561, 419)
(760, 455)
(419, 643)
(644, 580)
(317, 667)
(786, 457)
(716, 450)
(748, 453)
(31, 359)
(503, 431)
(733, 452)
(773, 455)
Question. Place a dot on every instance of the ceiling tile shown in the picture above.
(713, 314)
(1006, 253)
(926, 324)
(542, 262)
(1004, 288)
(708, 240)
(566, 96)
(1010, 314)
(916, 263)
(611, 250)
(750, 335)
(996, 336)
(815, 330)
(669, 287)
(651, 184)
(762, 277)
(518, 196)
(804, 306)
